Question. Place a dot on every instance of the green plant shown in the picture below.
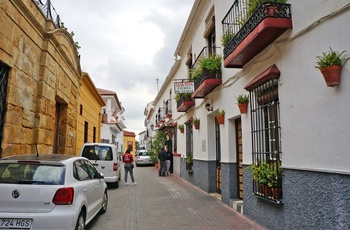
(156, 145)
(211, 63)
(253, 5)
(331, 58)
(267, 174)
(226, 37)
(221, 113)
(242, 99)
(195, 120)
(180, 95)
(181, 126)
(189, 158)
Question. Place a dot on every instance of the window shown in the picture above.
(266, 136)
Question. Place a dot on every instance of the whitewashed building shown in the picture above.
(295, 122)
(112, 127)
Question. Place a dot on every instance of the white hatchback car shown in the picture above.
(50, 191)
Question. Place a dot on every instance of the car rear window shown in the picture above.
(97, 152)
(143, 154)
(27, 173)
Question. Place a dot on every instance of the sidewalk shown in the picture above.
(169, 203)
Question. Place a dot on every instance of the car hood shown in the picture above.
(17, 198)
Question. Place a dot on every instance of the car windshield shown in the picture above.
(102, 153)
(27, 173)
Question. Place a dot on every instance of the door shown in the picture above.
(239, 150)
(218, 157)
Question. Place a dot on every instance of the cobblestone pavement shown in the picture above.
(166, 203)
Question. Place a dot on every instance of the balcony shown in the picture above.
(209, 76)
(263, 27)
(185, 103)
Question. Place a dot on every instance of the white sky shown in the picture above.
(126, 46)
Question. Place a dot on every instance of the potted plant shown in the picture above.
(189, 162)
(181, 127)
(196, 122)
(330, 64)
(226, 37)
(242, 101)
(261, 172)
(221, 116)
(275, 180)
(210, 66)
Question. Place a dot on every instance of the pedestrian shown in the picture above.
(168, 162)
(128, 160)
(162, 160)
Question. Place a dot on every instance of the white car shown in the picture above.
(50, 191)
(106, 159)
(142, 158)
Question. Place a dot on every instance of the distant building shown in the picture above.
(130, 141)
(112, 126)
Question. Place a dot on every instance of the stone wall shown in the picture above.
(44, 82)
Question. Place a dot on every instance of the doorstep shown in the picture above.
(237, 205)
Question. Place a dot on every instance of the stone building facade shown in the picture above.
(40, 80)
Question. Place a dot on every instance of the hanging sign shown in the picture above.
(184, 87)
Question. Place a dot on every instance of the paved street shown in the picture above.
(166, 203)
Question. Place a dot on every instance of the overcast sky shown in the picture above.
(126, 46)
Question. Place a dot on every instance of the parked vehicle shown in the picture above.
(50, 191)
(106, 159)
(142, 158)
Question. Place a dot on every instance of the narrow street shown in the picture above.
(166, 203)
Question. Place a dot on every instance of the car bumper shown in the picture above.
(144, 163)
(60, 218)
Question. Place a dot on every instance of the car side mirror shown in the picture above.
(101, 176)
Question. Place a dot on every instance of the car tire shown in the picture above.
(137, 165)
(104, 203)
(80, 222)
(115, 184)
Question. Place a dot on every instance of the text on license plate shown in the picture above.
(15, 223)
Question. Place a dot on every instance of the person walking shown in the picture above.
(162, 160)
(128, 160)
(168, 162)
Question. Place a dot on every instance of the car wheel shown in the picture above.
(81, 222)
(115, 184)
(104, 203)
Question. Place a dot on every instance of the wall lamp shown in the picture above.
(209, 107)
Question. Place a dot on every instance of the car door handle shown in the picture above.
(85, 190)
(96, 187)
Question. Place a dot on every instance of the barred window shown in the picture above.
(266, 136)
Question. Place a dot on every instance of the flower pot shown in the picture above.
(196, 125)
(243, 107)
(182, 130)
(331, 75)
(220, 119)
(276, 193)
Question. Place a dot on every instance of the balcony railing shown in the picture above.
(49, 12)
(185, 103)
(253, 32)
(207, 81)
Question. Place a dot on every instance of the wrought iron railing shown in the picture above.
(240, 22)
(50, 12)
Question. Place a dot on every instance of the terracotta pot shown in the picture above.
(156, 165)
(220, 119)
(196, 126)
(243, 107)
(331, 75)
(276, 193)
(182, 130)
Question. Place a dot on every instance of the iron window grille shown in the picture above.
(4, 72)
(266, 141)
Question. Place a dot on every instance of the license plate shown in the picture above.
(15, 223)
